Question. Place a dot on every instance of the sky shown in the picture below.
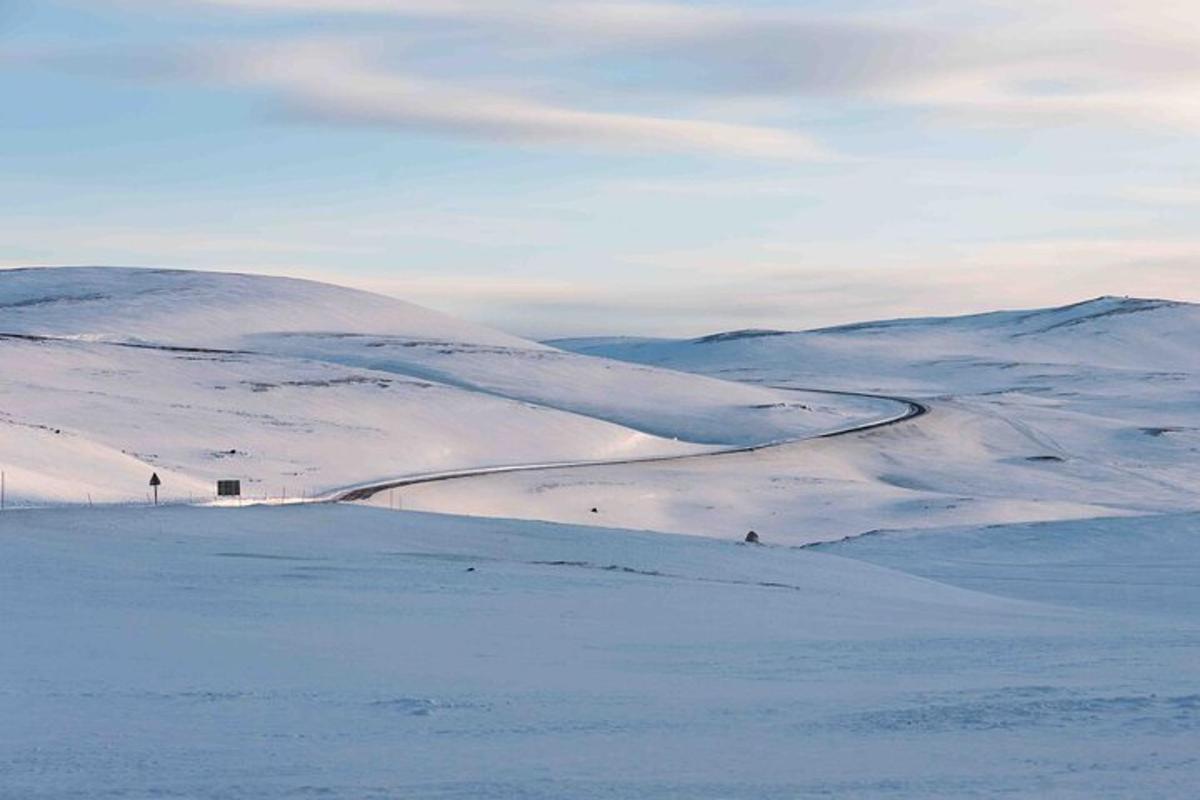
(577, 167)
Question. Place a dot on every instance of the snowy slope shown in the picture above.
(1063, 413)
(80, 419)
(299, 387)
(940, 354)
(310, 320)
(351, 653)
(208, 309)
(955, 466)
(661, 402)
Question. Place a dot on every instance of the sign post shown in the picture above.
(155, 482)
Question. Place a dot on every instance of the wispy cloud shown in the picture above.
(1000, 62)
(893, 94)
(648, 76)
(338, 81)
(709, 48)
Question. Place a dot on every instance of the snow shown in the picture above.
(1144, 566)
(952, 467)
(1088, 410)
(299, 388)
(350, 652)
(208, 309)
(998, 597)
(284, 426)
(660, 402)
(1108, 336)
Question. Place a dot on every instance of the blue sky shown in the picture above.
(577, 167)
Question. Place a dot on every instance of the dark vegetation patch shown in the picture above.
(350, 380)
(8, 419)
(52, 300)
(207, 352)
(170, 348)
(444, 347)
(733, 336)
(1129, 305)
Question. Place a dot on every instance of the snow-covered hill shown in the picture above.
(298, 387)
(932, 354)
(1049, 414)
(209, 309)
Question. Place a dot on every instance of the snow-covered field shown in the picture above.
(334, 651)
(1020, 619)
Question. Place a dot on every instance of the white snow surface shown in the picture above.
(1075, 412)
(340, 651)
(997, 598)
(209, 309)
(1111, 334)
(298, 388)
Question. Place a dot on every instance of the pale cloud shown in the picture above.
(595, 20)
(1135, 266)
(1110, 62)
(983, 62)
(1060, 91)
(794, 286)
(337, 81)
(762, 50)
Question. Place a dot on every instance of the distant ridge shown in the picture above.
(1129, 333)
(749, 333)
(219, 309)
(1094, 308)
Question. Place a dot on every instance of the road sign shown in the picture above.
(155, 482)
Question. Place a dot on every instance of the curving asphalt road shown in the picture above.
(913, 409)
